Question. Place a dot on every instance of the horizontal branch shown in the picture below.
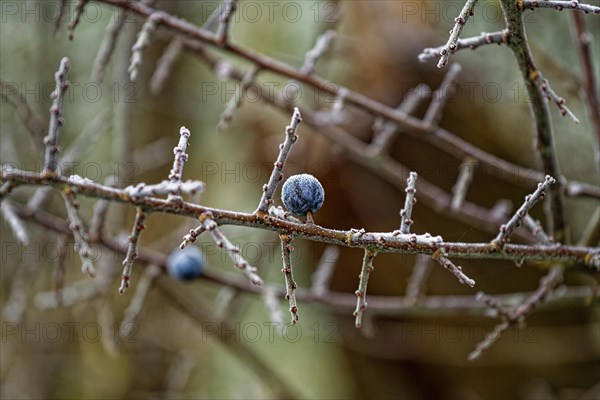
(336, 301)
(387, 242)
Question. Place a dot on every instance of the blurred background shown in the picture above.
(205, 340)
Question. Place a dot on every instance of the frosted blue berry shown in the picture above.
(186, 264)
(302, 194)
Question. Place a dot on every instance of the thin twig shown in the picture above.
(555, 98)
(79, 8)
(33, 123)
(312, 56)
(108, 44)
(56, 121)
(290, 284)
(547, 284)
(499, 37)
(530, 200)
(277, 174)
(324, 271)
(441, 95)
(386, 131)
(143, 41)
(15, 223)
(465, 176)
(440, 256)
(361, 293)
(535, 227)
(459, 24)
(232, 251)
(272, 304)
(131, 313)
(409, 202)
(132, 249)
(415, 287)
(230, 7)
(236, 100)
(180, 158)
(165, 65)
(81, 238)
(58, 275)
(560, 5)
(586, 59)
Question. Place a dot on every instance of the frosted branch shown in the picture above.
(277, 174)
(132, 249)
(361, 293)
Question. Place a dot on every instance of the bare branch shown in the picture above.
(132, 249)
(465, 176)
(312, 57)
(440, 256)
(277, 174)
(441, 95)
(515, 221)
(143, 41)
(409, 202)
(459, 24)
(361, 293)
(290, 284)
(499, 37)
(232, 251)
(81, 238)
(56, 121)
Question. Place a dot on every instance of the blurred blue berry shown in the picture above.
(302, 194)
(186, 264)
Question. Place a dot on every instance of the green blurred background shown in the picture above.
(173, 352)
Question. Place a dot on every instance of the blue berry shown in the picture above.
(186, 264)
(302, 194)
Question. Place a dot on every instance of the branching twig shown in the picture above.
(233, 252)
(361, 293)
(409, 202)
(460, 22)
(518, 314)
(277, 174)
(440, 256)
(56, 121)
(544, 134)
(132, 249)
(499, 37)
(515, 221)
(290, 284)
